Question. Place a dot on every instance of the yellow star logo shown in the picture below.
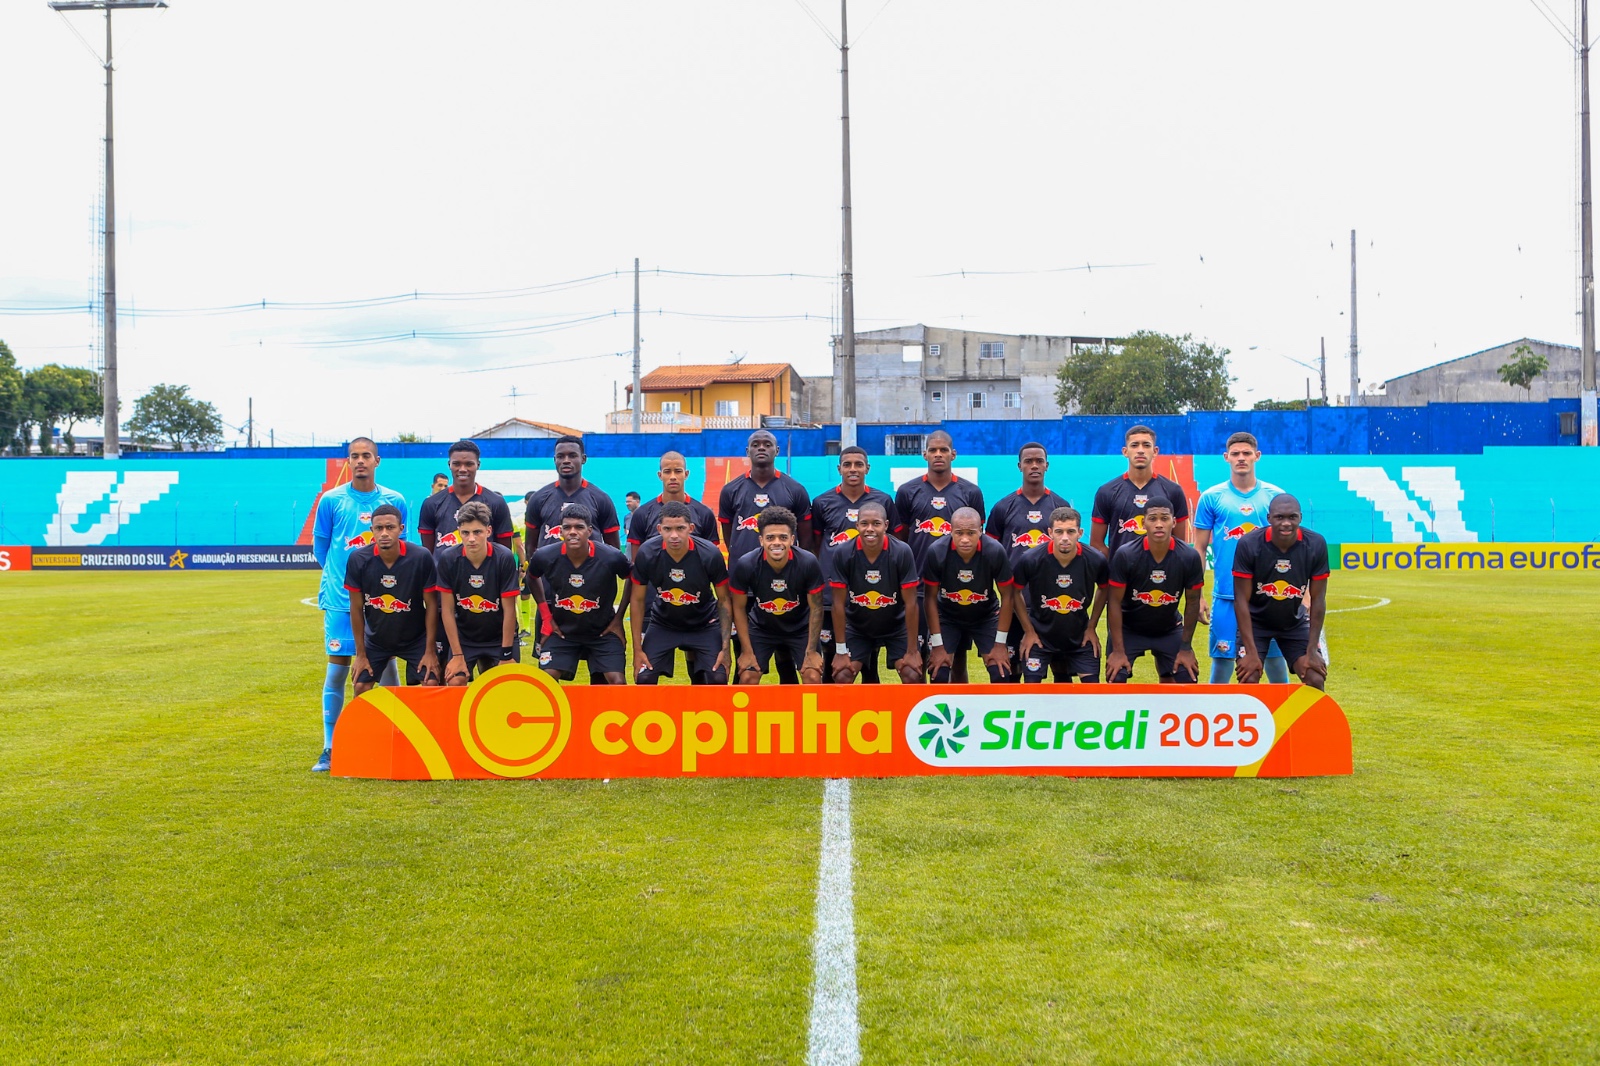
(176, 560)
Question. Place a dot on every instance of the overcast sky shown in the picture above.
(1210, 160)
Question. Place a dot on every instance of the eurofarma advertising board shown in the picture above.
(516, 722)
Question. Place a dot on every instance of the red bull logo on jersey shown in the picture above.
(553, 532)
(1155, 598)
(747, 523)
(448, 540)
(844, 536)
(1240, 530)
(872, 600)
(389, 604)
(1030, 538)
(478, 604)
(965, 597)
(360, 540)
(1132, 525)
(777, 606)
(678, 597)
(577, 604)
(1280, 590)
(1060, 604)
(934, 527)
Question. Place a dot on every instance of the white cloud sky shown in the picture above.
(297, 151)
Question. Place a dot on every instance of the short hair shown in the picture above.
(1157, 503)
(474, 511)
(674, 509)
(960, 511)
(778, 516)
(632, 496)
(676, 455)
(1135, 430)
(1241, 437)
(579, 511)
(1066, 514)
(436, 477)
(871, 505)
(761, 433)
(568, 438)
(852, 449)
(357, 440)
(387, 508)
(465, 446)
(1032, 444)
(937, 434)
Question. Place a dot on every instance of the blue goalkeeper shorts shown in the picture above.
(1225, 633)
(336, 635)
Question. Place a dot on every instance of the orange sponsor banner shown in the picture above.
(15, 557)
(517, 722)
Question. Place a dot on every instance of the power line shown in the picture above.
(546, 362)
(1087, 267)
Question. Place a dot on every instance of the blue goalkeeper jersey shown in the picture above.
(343, 524)
(1229, 514)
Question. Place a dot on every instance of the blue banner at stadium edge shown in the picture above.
(186, 557)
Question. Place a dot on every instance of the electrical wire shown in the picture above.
(812, 15)
(1088, 267)
(546, 362)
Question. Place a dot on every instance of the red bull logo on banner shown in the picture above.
(1060, 604)
(1155, 598)
(872, 600)
(965, 597)
(1280, 590)
(777, 606)
(1030, 539)
(678, 597)
(578, 604)
(389, 604)
(934, 527)
(478, 604)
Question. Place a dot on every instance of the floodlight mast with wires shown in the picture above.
(108, 380)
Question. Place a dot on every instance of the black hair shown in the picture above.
(871, 505)
(568, 438)
(436, 477)
(1066, 514)
(1242, 437)
(357, 440)
(465, 446)
(1032, 444)
(852, 449)
(778, 516)
(1157, 503)
(387, 508)
(579, 511)
(1141, 428)
(674, 509)
(632, 496)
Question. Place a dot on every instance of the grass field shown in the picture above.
(176, 887)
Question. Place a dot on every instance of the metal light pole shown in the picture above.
(638, 399)
(1590, 428)
(1355, 371)
(847, 290)
(112, 448)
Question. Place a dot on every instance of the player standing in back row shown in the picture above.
(437, 519)
(543, 521)
(343, 523)
(673, 472)
(1119, 505)
(833, 522)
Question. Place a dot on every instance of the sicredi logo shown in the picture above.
(1225, 729)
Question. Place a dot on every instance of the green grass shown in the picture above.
(176, 887)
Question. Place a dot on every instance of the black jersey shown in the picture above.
(582, 599)
(871, 588)
(642, 526)
(545, 506)
(968, 590)
(834, 515)
(1059, 598)
(1020, 524)
(742, 502)
(1279, 579)
(778, 599)
(395, 598)
(1119, 506)
(1150, 590)
(438, 516)
(925, 511)
(481, 592)
(680, 590)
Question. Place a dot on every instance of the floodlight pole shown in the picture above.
(1590, 428)
(638, 399)
(110, 432)
(847, 284)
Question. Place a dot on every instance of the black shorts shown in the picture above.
(604, 654)
(660, 645)
(1292, 644)
(481, 657)
(832, 659)
(1164, 649)
(378, 659)
(864, 649)
(767, 646)
(1076, 662)
(956, 638)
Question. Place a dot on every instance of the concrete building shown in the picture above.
(1476, 378)
(524, 429)
(927, 374)
(696, 396)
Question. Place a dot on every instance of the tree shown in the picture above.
(13, 413)
(168, 413)
(412, 438)
(54, 394)
(1145, 374)
(1524, 367)
(1286, 405)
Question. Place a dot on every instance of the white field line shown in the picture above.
(835, 1035)
(310, 601)
(1383, 601)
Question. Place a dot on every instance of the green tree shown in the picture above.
(54, 394)
(1523, 368)
(1145, 374)
(1286, 405)
(412, 438)
(13, 413)
(167, 413)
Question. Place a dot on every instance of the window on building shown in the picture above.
(671, 407)
(937, 396)
(933, 351)
(727, 407)
(1014, 399)
(977, 400)
(991, 350)
(905, 444)
(911, 353)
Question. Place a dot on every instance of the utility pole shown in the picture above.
(112, 445)
(250, 423)
(638, 400)
(847, 290)
(1355, 370)
(1322, 369)
(1590, 429)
